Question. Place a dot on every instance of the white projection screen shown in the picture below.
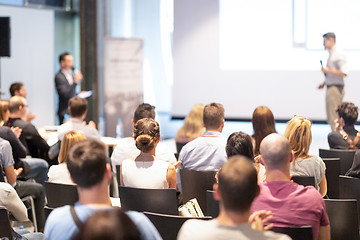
(248, 53)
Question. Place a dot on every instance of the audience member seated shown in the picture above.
(240, 143)
(145, 171)
(11, 201)
(59, 173)
(193, 127)
(18, 89)
(23, 189)
(291, 204)
(4, 111)
(126, 148)
(36, 146)
(345, 136)
(78, 109)
(298, 132)
(88, 167)
(263, 124)
(236, 189)
(35, 168)
(112, 224)
(207, 153)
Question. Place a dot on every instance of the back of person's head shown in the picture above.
(263, 124)
(298, 132)
(240, 143)
(111, 224)
(146, 134)
(275, 151)
(87, 163)
(330, 35)
(193, 123)
(349, 112)
(77, 106)
(15, 87)
(4, 110)
(62, 56)
(237, 184)
(68, 141)
(213, 115)
(15, 103)
(144, 110)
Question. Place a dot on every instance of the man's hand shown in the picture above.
(259, 218)
(77, 76)
(18, 171)
(339, 124)
(321, 86)
(17, 131)
(92, 124)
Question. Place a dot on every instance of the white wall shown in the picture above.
(32, 59)
(199, 79)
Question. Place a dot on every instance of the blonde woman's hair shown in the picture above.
(298, 132)
(4, 107)
(193, 123)
(68, 141)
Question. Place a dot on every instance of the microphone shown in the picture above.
(322, 66)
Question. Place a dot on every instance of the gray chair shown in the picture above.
(5, 227)
(212, 204)
(195, 184)
(350, 189)
(332, 176)
(59, 195)
(169, 225)
(149, 200)
(304, 180)
(346, 157)
(296, 233)
(343, 218)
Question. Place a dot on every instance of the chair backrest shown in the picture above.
(179, 146)
(118, 174)
(304, 180)
(59, 194)
(5, 227)
(343, 218)
(212, 204)
(149, 200)
(332, 176)
(296, 233)
(349, 188)
(194, 185)
(346, 157)
(169, 225)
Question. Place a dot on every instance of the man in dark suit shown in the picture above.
(66, 80)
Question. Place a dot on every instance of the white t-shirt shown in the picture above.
(59, 174)
(145, 174)
(212, 230)
(313, 166)
(126, 149)
(77, 124)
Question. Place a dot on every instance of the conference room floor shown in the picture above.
(319, 132)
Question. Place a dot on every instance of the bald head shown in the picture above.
(16, 103)
(275, 151)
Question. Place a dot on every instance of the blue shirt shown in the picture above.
(205, 153)
(60, 224)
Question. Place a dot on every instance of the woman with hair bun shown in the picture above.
(145, 171)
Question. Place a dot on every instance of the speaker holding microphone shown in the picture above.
(4, 36)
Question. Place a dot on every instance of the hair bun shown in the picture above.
(144, 143)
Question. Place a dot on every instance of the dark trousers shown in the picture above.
(35, 190)
(61, 118)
